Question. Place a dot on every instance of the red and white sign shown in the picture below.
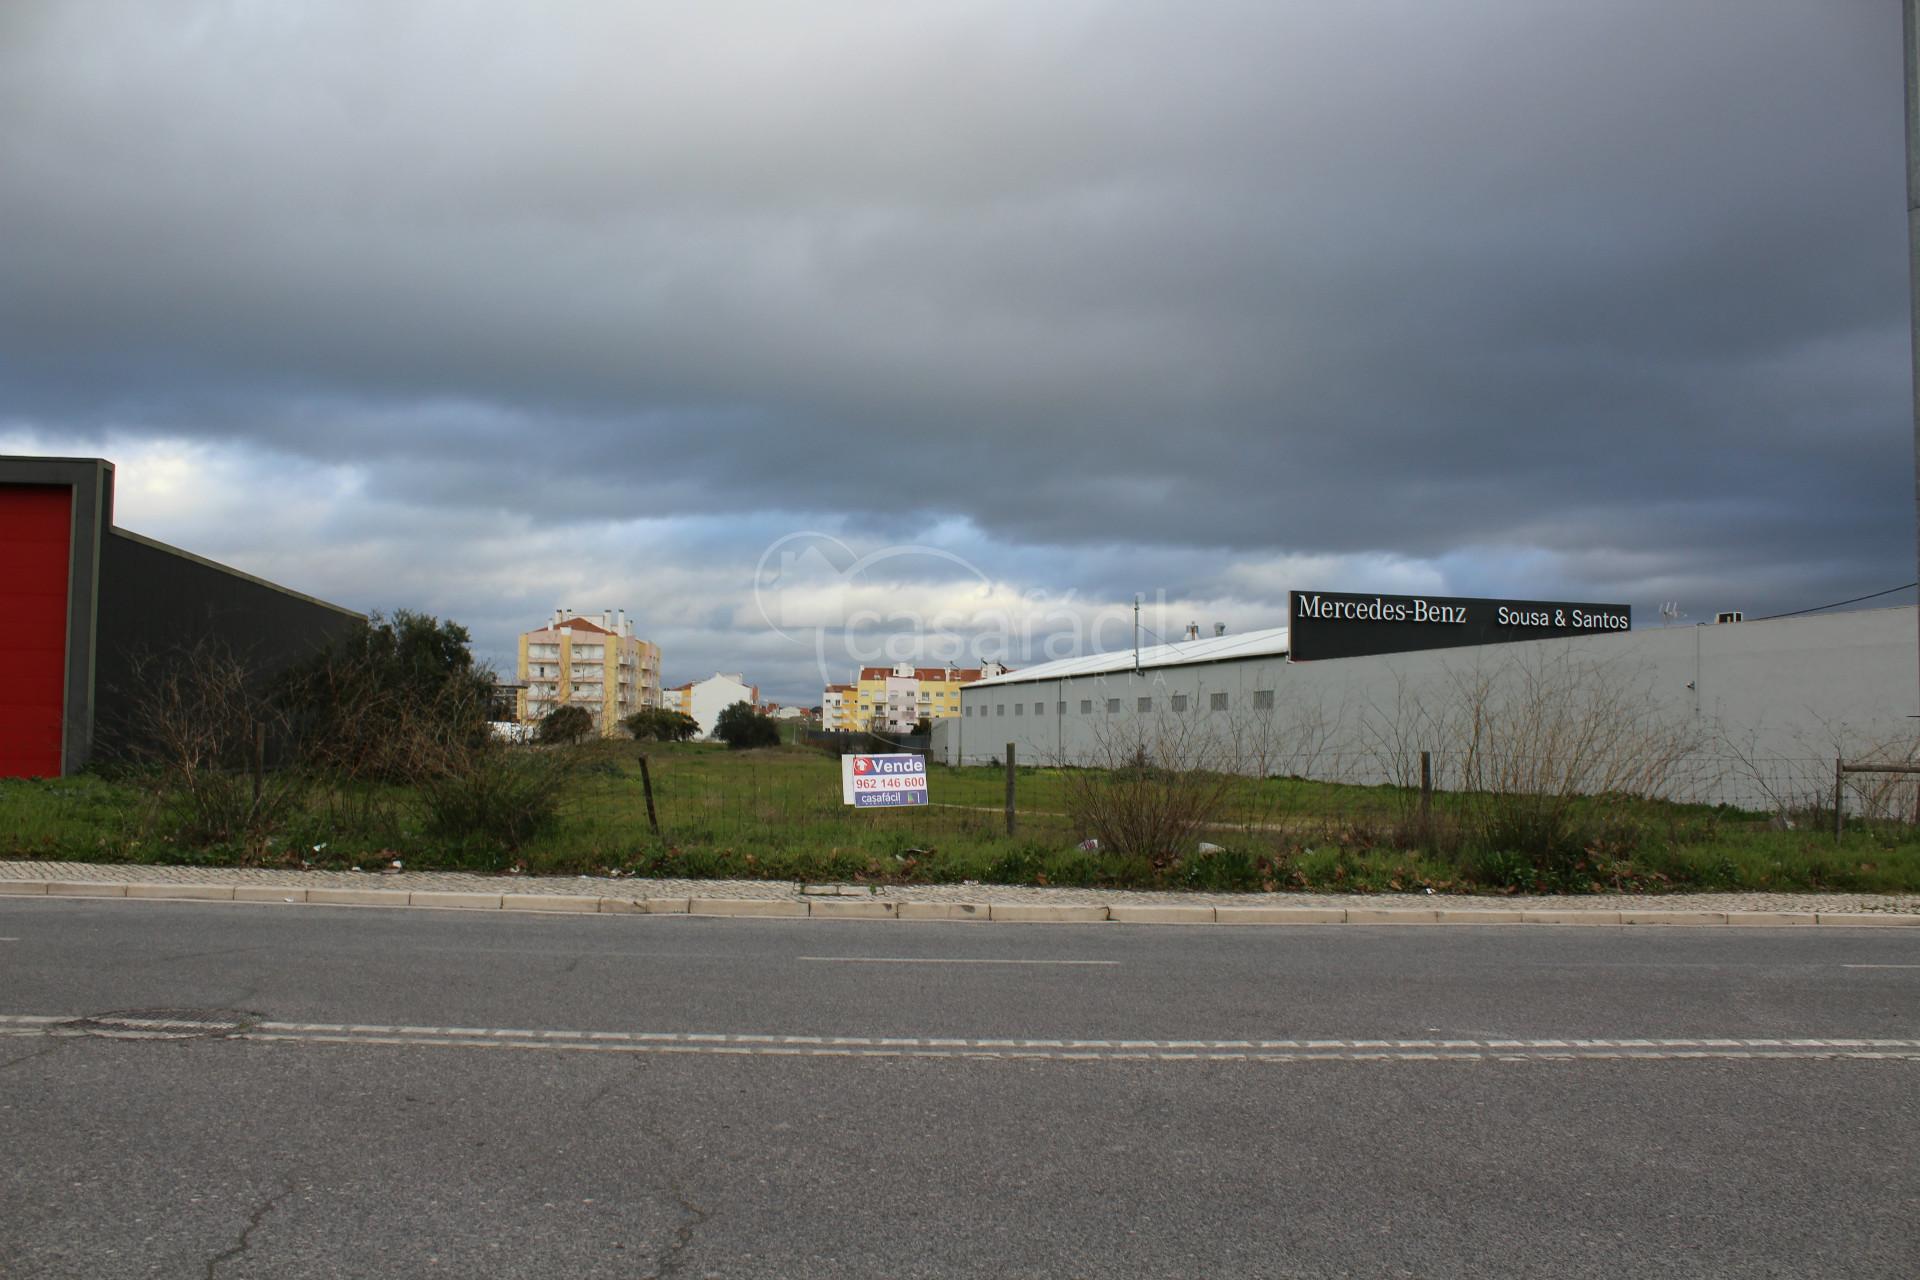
(883, 782)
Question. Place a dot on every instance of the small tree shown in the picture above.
(565, 724)
(740, 727)
(656, 724)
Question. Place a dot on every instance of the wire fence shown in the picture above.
(703, 797)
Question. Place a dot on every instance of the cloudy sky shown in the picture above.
(794, 328)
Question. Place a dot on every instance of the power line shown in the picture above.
(1837, 603)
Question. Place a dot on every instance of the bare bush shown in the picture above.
(1291, 738)
(1869, 795)
(1884, 797)
(1529, 745)
(200, 723)
(1153, 783)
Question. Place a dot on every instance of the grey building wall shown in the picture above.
(157, 601)
(1769, 704)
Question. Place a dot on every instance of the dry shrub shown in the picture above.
(1535, 746)
(1153, 783)
(394, 718)
(201, 724)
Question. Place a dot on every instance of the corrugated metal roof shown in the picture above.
(1271, 642)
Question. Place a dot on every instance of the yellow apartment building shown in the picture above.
(894, 699)
(592, 661)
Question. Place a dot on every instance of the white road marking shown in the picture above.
(925, 960)
(1844, 966)
(1065, 1050)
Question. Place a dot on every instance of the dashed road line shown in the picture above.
(953, 960)
(1608, 1049)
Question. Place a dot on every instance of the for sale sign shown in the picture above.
(883, 782)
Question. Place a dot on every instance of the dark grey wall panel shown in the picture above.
(157, 600)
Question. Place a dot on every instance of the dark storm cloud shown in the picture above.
(1622, 285)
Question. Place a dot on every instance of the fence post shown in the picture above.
(1839, 795)
(1010, 817)
(646, 785)
(259, 761)
(1426, 790)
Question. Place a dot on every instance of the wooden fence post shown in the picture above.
(1839, 795)
(646, 784)
(1426, 790)
(259, 761)
(1010, 810)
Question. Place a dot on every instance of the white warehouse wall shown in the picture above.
(1770, 703)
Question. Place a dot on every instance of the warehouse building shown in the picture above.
(1768, 705)
(83, 602)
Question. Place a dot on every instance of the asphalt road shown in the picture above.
(311, 1091)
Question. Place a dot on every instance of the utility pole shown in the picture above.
(1910, 24)
(1136, 595)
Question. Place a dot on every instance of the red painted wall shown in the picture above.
(36, 528)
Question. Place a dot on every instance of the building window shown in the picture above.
(1113, 706)
(1179, 702)
(1019, 707)
(1216, 702)
(1146, 704)
(966, 711)
(1059, 708)
(1086, 706)
(1000, 709)
(1039, 708)
(1263, 699)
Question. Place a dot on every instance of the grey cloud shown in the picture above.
(1624, 283)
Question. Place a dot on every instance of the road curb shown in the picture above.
(875, 908)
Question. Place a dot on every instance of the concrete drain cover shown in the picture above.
(162, 1024)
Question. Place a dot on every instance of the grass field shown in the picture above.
(777, 813)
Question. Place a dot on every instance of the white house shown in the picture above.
(704, 700)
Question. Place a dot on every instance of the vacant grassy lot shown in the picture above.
(777, 814)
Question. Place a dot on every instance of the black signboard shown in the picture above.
(1342, 624)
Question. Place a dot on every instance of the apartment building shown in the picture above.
(592, 661)
(894, 699)
(838, 706)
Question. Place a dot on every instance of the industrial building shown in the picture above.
(83, 603)
(1768, 704)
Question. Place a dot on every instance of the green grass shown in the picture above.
(777, 814)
